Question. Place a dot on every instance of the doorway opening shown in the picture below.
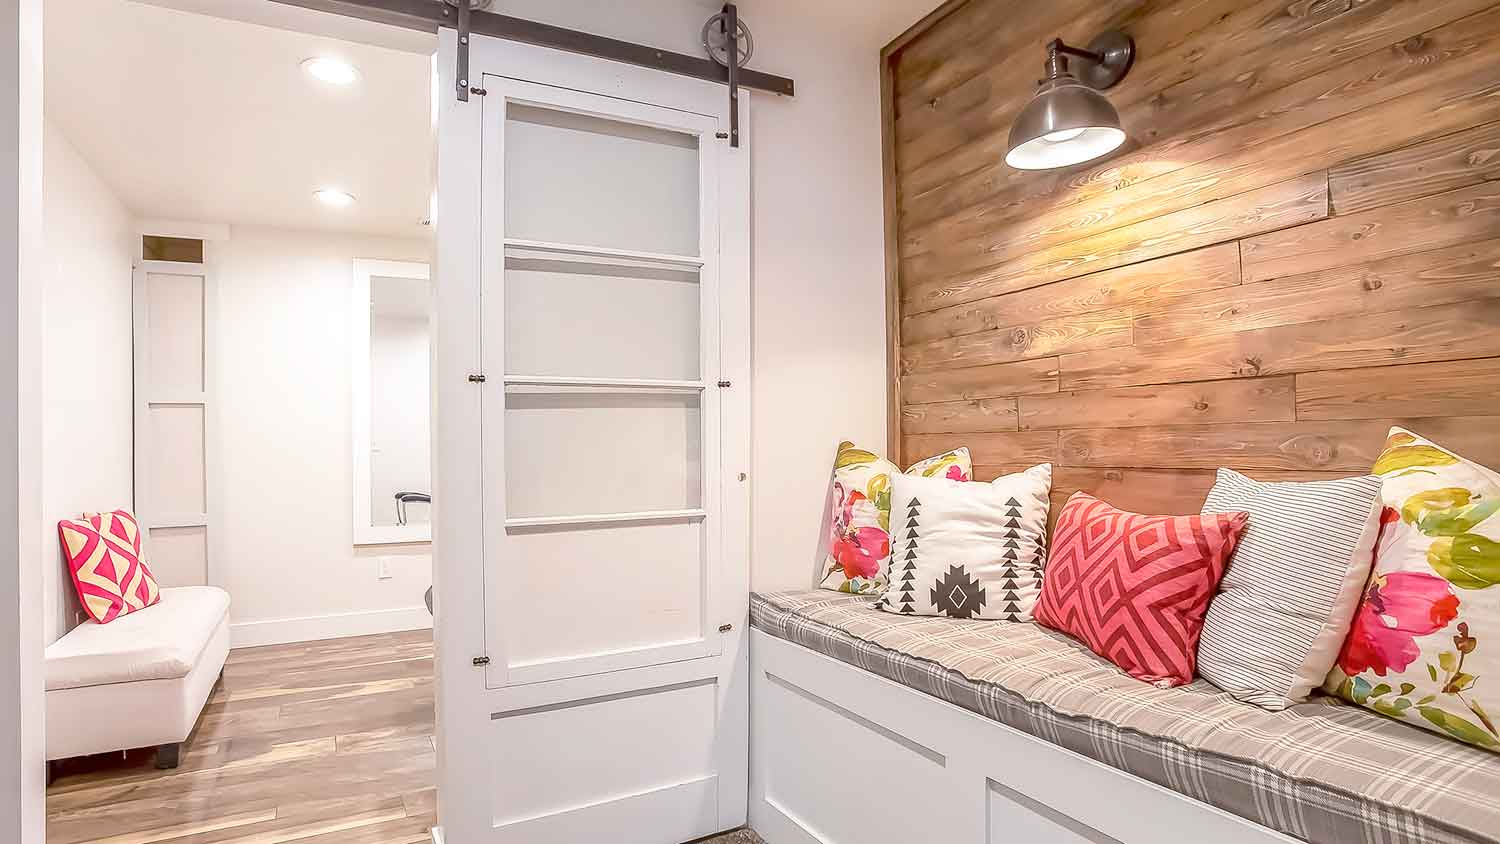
(237, 397)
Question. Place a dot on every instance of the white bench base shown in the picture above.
(120, 712)
(843, 756)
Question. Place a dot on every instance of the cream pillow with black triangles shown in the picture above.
(968, 550)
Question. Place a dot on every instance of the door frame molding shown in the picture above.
(464, 703)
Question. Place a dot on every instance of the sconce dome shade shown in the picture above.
(1067, 122)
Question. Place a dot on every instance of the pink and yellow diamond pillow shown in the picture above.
(109, 570)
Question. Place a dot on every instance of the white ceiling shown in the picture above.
(191, 117)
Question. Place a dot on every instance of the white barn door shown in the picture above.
(592, 507)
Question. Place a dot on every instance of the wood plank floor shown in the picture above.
(320, 743)
(317, 743)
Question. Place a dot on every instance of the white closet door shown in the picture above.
(612, 436)
(173, 421)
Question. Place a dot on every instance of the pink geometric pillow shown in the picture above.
(109, 570)
(1135, 588)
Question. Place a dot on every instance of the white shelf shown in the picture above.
(548, 249)
(606, 518)
(611, 383)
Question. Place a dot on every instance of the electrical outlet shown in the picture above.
(382, 568)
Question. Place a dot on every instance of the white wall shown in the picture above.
(284, 396)
(818, 254)
(86, 414)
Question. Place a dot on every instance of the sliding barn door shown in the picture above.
(609, 385)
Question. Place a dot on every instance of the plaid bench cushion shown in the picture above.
(1320, 771)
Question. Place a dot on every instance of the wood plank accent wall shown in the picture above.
(1298, 247)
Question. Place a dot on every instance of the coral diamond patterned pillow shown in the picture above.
(109, 570)
(1425, 643)
(859, 540)
(1135, 588)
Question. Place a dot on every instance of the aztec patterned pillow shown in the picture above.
(859, 543)
(1423, 647)
(109, 570)
(967, 550)
(1284, 606)
(1135, 588)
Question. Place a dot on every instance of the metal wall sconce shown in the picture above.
(1068, 121)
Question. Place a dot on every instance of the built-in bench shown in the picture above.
(877, 728)
(140, 680)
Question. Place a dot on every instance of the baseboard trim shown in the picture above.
(281, 631)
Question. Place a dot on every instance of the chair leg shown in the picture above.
(168, 755)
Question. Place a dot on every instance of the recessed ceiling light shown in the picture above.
(332, 71)
(334, 197)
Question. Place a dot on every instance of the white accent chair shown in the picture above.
(138, 681)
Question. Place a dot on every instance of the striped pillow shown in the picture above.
(1288, 598)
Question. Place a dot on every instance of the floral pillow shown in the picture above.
(859, 541)
(1425, 644)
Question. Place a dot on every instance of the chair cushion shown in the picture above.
(161, 642)
(109, 570)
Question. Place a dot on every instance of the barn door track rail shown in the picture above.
(467, 17)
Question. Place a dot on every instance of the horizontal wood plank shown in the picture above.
(1289, 203)
(1242, 400)
(1457, 274)
(985, 474)
(1168, 492)
(1444, 332)
(1448, 163)
(1420, 225)
(980, 382)
(1334, 446)
(1449, 388)
(959, 417)
(1211, 268)
(992, 449)
(1051, 337)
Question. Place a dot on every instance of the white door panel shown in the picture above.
(174, 460)
(599, 576)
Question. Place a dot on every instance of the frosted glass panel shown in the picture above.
(174, 312)
(593, 320)
(175, 474)
(571, 178)
(654, 597)
(576, 452)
